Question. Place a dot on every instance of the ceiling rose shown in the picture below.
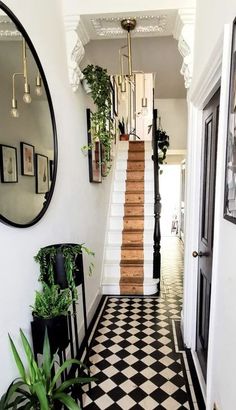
(110, 26)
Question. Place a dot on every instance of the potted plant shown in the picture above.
(62, 264)
(102, 124)
(123, 135)
(38, 386)
(50, 312)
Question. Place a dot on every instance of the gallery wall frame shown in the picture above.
(27, 159)
(230, 163)
(42, 180)
(8, 164)
(94, 153)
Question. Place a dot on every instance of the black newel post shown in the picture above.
(157, 204)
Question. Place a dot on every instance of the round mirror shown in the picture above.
(28, 144)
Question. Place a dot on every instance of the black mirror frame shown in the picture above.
(48, 195)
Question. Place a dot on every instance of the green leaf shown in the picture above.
(67, 401)
(46, 356)
(76, 380)
(33, 367)
(41, 393)
(64, 366)
(17, 359)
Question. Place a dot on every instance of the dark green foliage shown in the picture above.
(102, 124)
(46, 258)
(51, 302)
(163, 145)
(37, 386)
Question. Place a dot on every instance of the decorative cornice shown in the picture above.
(76, 38)
(110, 26)
(184, 33)
(8, 30)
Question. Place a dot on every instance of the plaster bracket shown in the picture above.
(76, 38)
(184, 33)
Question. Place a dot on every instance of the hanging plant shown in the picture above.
(46, 257)
(102, 124)
(163, 145)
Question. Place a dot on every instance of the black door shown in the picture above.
(210, 131)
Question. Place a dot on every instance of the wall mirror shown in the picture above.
(28, 144)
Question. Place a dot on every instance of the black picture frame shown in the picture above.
(230, 162)
(115, 96)
(94, 154)
(8, 164)
(27, 159)
(42, 177)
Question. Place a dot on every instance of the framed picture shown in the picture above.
(94, 154)
(27, 159)
(41, 174)
(230, 168)
(115, 96)
(51, 169)
(8, 164)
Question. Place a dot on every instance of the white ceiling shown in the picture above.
(153, 47)
(155, 23)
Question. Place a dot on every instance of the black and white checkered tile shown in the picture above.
(134, 354)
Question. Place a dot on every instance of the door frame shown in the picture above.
(215, 75)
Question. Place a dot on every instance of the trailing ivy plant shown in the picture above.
(101, 122)
(46, 257)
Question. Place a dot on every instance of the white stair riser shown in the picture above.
(114, 254)
(117, 210)
(122, 155)
(114, 238)
(121, 165)
(111, 270)
(116, 222)
(120, 175)
(148, 197)
(123, 146)
(120, 186)
(118, 197)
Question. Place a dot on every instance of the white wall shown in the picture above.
(90, 6)
(220, 389)
(78, 209)
(174, 118)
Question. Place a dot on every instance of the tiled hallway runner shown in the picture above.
(135, 354)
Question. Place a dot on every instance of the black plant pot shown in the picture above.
(59, 267)
(57, 328)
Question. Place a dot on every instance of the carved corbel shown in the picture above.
(184, 33)
(76, 38)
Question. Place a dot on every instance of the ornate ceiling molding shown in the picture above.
(184, 33)
(8, 29)
(110, 26)
(76, 38)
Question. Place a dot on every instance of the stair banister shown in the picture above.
(157, 203)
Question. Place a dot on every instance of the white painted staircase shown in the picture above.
(113, 281)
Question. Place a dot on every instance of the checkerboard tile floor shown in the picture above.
(134, 353)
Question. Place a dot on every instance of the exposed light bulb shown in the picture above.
(14, 111)
(27, 97)
(38, 87)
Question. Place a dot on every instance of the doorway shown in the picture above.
(205, 251)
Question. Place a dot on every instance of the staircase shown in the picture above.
(129, 249)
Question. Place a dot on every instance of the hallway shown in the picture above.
(136, 348)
